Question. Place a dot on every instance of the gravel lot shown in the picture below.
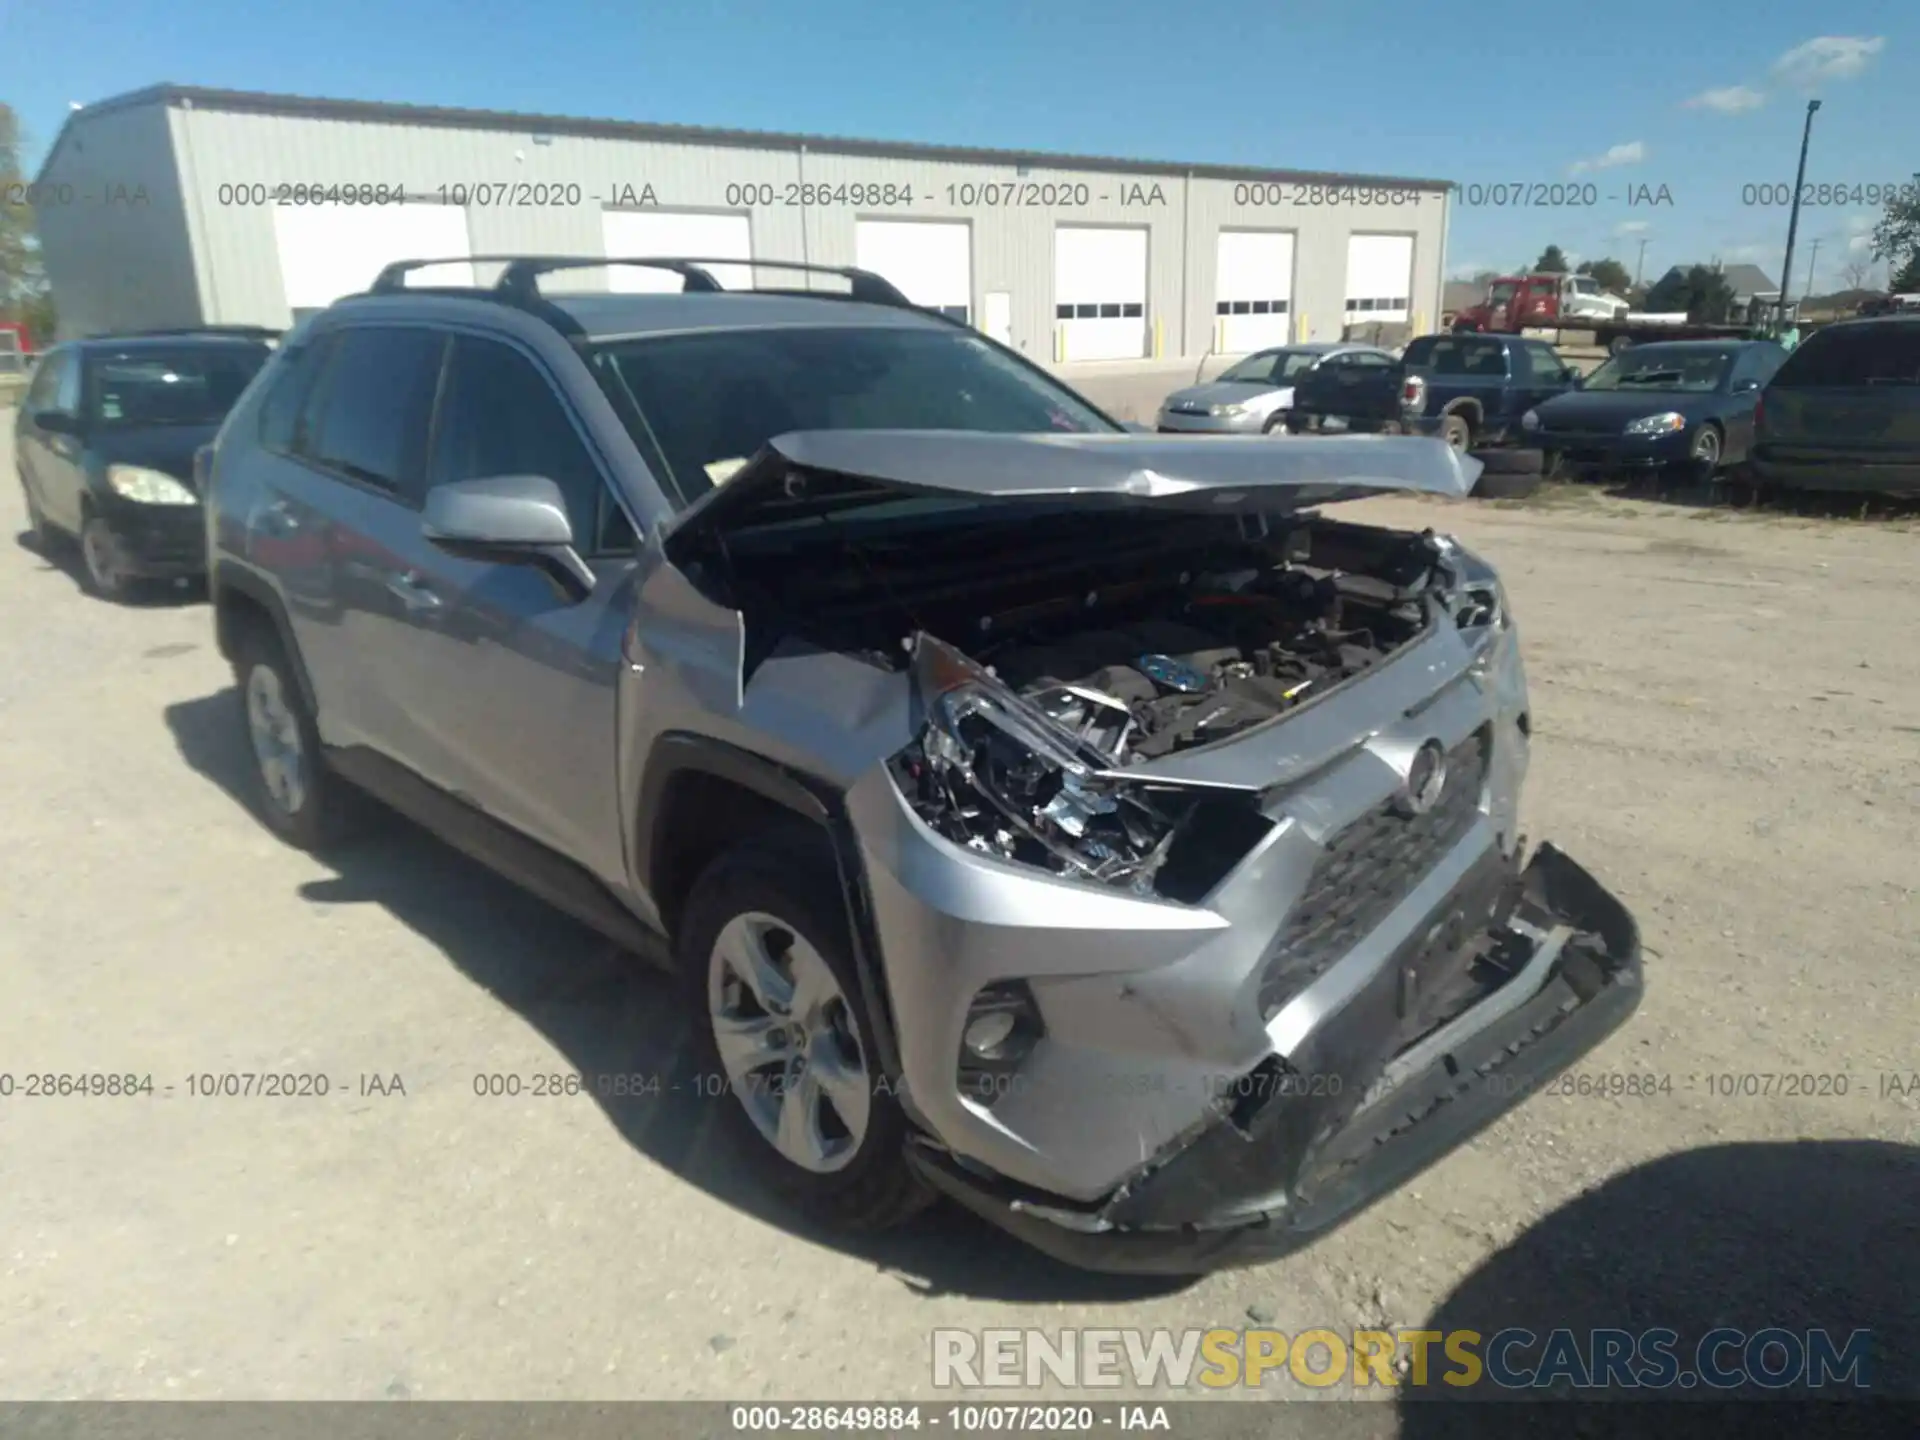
(1728, 732)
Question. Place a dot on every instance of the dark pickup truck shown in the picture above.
(1469, 390)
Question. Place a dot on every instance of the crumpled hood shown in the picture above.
(810, 471)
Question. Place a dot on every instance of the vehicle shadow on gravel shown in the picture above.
(1796, 1235)
(609, 1014)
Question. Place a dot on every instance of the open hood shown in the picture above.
(812, 472)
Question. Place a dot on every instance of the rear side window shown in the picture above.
(500, 416)
(374, 405)
(1876, 354)
(290, 386)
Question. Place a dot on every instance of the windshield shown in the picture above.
(1654, 367)
(1271, 366)
(191, 385)
(703, 404)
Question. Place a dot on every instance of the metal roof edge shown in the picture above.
(258, 102)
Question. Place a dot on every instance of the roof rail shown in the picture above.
(255, 332)
(519, 281)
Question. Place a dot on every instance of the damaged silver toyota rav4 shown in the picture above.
(1079, 824)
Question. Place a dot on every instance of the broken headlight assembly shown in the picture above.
(1032, 780)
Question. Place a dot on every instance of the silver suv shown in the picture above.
(1071, 822)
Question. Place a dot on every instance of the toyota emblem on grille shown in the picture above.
(1426, 778)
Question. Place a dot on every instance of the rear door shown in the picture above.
(343, 515)
(1851, 392)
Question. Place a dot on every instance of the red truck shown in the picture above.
(1576, 302)
(15, 341)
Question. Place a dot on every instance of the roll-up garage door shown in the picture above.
(929, 261)
(1253, 302)
(1100, 293)
(327, 251)
(1379, 278)
(637, 233)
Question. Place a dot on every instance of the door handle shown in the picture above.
(412, 592)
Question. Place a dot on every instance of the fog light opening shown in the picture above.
(1003, 1025)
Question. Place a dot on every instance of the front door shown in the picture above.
(515, 674)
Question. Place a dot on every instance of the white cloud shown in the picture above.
(1728, 99)
(1631, 153)
(1629, 227)
(1860, 232)
(1827, 57)
(1746, 254)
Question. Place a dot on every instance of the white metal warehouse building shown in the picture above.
(182, 206)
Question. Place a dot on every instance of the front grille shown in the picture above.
(1367, 870)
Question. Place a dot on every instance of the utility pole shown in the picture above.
(1813, 259)
(1640, 264)
(1793, 216)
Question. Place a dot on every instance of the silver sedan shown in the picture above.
(1252, 396)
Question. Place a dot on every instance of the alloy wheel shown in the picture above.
(788, 1042)
(277, 747)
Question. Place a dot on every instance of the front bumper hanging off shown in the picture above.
(1322, 1135)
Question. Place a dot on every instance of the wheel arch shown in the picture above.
(242, 600)
(700, 796)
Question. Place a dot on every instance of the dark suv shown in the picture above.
(1072, 822)
(105, 444)
(1843, 412)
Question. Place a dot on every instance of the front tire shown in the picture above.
(765, 956)
(102, 568)
(1455, 430)
(1277, 423)
(295, 792)
(1703, 455)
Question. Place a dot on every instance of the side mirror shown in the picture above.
(1576, 381)
(507, 519)
(57, 422)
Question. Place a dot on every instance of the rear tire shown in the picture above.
(1277, 421)
(295, 792)
(765, 958)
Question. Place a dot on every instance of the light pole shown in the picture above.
(1639, 264)
(1813, 259)
(1793, 216)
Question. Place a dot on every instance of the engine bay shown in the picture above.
(1032, 727)
(1231, 652)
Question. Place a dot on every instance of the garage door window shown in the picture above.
(1121, 310)
(1250, 307)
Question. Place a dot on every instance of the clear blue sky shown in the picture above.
(1480, 92)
